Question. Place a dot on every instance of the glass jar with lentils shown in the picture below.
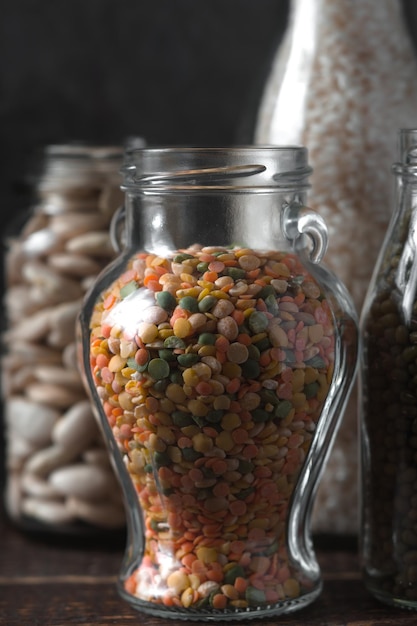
(219, 353)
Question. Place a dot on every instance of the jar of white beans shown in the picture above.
(58, 477)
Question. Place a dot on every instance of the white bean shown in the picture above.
(76, 424)
(88, 482)
(49, 511)
(57, 396)
(28, 420)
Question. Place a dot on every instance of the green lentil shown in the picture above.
(179, 258)
(258, 322)
(283, 409)
(182, 419)
(207, 303)
(207, 339)
(174, 343)
(166, 300)
(189, 304)
(250, 368)
(190, 454)
(188, 359)
(235, 272)
(166, 355)
(255, 596)
(158, 369)
(233, 573)
(129, 288)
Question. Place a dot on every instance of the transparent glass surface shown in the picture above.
(388, 383)
(219, 354)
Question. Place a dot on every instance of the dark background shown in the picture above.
(172, 71)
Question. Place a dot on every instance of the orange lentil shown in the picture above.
(203, 388)
(184, 442)
(211, 432)
(240, 435)
(222, 344)
(240, 584)
(216, 266)
(250, 451)
(221, 489)
(102, 360)
(257, 582)
(141, 356)
(196, 475)
(233, 385)
(245, 559)
(106, 330)
(265, 358)
(109, 301)
(207, 258)
(219, 466)
(219, 601)
(153, 277)
(221, 356)
(128, 276)
(210, 277)
(130, 584)
(269, 272)
(198, 567)
(272, 596)
(243, 338)
(151, 403)
(238, 507)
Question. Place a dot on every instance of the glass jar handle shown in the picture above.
(117, 229)
(298, 222)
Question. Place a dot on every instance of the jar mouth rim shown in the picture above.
(182, 167)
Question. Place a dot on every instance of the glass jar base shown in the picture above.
(391, 600)
(279, 608)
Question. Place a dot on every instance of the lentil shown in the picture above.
(218, 471)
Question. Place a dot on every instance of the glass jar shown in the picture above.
(388, 383)
(219, 354)
(58, 476)
(335, 88)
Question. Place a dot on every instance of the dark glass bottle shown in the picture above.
(388, 385)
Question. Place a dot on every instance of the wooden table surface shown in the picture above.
(59, 582)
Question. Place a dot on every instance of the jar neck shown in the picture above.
(179, 197)
(245, 169)
(70, 167)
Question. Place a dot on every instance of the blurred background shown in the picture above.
(180, 72)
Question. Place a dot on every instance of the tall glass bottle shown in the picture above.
(388, 377)
(342, 81)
